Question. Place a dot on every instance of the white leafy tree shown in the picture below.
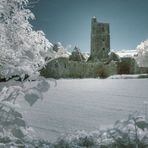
(61, 51)
(142, 51)
(23, 52)
(22, 49)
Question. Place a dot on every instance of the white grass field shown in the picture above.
(85, 104)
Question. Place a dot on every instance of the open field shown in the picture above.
(85, 104)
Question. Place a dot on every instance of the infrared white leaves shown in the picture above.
(23, 50)
(142, 51)
(43, 85)
(32, 95)
(33, 91)
(10, 93)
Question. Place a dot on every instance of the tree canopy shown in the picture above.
(142, 51)
(22, 49)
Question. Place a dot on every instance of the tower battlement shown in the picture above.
(100, 40)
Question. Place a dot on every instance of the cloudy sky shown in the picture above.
(68, 21)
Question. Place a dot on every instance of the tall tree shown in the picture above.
(142, 51)
(23, 50)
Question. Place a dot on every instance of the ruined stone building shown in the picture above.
(101, 63)
(100, 40)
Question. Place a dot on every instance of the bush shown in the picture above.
(143, 76)
(86, 142)
(130, 133)
(102, 72)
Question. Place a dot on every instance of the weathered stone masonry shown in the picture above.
(100, 40)
(100, 63)
(64, 68)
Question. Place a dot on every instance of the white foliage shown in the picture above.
(125, 53)
(43, 85)
(142, 51)
(11, 93)
(32, 95)
(23, 52)
(61, 51)
(126, 133)
(22, 49)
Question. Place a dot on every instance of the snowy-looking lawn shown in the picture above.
(85, 104)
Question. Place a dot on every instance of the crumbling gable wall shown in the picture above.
(64, 68)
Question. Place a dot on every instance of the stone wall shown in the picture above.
(144, 70)
(128, 65)
(64, 68)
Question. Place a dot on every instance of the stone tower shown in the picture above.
(100, 40)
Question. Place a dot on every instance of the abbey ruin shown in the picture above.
(100, 40)
(101, 62)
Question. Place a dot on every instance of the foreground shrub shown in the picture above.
(130, 133)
